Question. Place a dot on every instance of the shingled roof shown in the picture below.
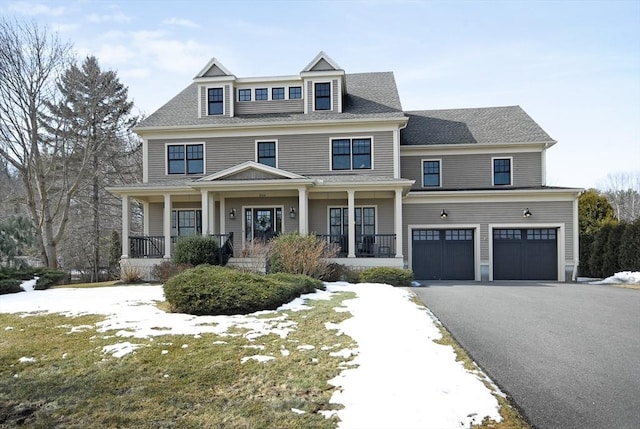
(369, 96)
(509, 124)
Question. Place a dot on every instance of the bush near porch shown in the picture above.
(301, 254)
(388, 275)
(196, 250)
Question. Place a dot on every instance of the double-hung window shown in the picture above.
(266, 153)
(187, 159)
(295, 92)
(186, 222)
(502, 171)
(262, 94)
(216, 101)
(244, 95)
(277, 93)
(430, 173)
(351, 154)
(323, 96)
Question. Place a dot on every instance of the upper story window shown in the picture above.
(244, 95)
(295, 92)
(216, 101)
(277, 93)
(502, 171)
(430, 173)
(266, 153)
(187, 159)
(323, 96)
(262, 94)
(351, 154)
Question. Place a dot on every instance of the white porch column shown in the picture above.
(125, 226)
(205, 212)
(223, 208)
(352, 223)
(398, 222)
(212, 214)
(166, 226)
(303, 211)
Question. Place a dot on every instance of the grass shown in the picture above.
(170, 381)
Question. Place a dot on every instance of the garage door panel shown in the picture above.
(443, 254)
(525, 254)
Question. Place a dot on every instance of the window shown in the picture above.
(244, 95)
(262, 94)
(267, 153)
(323, 96)
(350, 154)
(187, 159)
(502, 171)
(295, 92)
(186, 222)
(365, 221)
(277, 94)
(216, 101)
(430, 173)
(541, 234)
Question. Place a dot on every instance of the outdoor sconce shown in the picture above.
(232, 214)
(292, 213)
(443, 214)
(526, 213)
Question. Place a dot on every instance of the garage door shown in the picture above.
(525, 254)
(443, 254)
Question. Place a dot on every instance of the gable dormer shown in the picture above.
(324, 85)
(215, 90)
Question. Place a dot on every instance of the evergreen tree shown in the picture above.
(629, 257)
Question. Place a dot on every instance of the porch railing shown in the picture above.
(367, 245)
(152, 246)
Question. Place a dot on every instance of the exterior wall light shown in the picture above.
(232, 214)
(292, 213)
(443, 214)
(526, 213)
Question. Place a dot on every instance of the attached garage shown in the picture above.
(443, 254)
(525, 254)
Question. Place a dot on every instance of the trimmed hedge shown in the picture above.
(213, 290)
(196, 250)
(391, 276)
(10, 286)
(47, 276)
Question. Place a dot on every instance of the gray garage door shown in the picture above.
(443, 254)
(525, 254)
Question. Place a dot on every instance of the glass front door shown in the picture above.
(262, 223)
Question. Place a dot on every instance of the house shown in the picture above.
(452, 194)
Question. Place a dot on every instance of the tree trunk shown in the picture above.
(96, 221)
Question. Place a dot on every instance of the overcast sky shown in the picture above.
(574, 66)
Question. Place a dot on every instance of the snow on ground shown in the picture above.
(398, 378)
(624, 277)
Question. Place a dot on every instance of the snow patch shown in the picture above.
(27, 359)
(259, 358)
(121, 349)
(623, 277)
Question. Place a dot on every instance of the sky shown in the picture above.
(443, 394)
(573, 66)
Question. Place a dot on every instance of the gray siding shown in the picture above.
(155, 218)
(270, 106)
(301, 154)
(492, 213)
(474, 171)
(335, 95)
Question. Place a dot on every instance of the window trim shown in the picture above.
(187, 209)
(209, 103)
(273, 88)
(493, 172)
(289, 92)
(239, 97)
(185, 144)
(439, 161)
(266, 141)
(351, 139)
(376, 213)
(266, 93)
(315, 96)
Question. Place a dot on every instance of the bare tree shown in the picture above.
(50, 166)
(623, 192)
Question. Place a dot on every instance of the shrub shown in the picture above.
(196, 250)
(341, 273)
(167, 269)
(392, 276)
(301, 254)
(10, 286)
(48, 278)
(130, 274)
(301, 282)
(216, 290)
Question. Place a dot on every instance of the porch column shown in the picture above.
(205, 212)
(125, 226)
(303, 206)
(352, 223)
(223, 208)
(398, 222)
(212, 210)
(166, 228)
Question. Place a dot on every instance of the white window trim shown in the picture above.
(266, 141)
(331, 89)
(301, 86)
(351, 138)
(493, 175)
(375, 209)
(422, 161)
(224, 97)
(250, 95)
(185, 144)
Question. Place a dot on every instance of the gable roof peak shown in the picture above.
(322, 62)
(214, 68)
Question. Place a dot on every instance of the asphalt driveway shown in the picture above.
(568, 354)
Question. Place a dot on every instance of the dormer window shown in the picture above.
(295, 92)
(244, 95)
(323, 96)
(262, 94)
(277, 94)
(216, 101)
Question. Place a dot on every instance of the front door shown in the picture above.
(262, 223)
